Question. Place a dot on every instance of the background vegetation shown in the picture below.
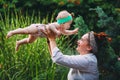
(32, 61)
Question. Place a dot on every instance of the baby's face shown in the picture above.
(67, 25)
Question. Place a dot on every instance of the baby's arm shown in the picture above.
(70, 32)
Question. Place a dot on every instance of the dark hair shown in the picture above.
(103, 44)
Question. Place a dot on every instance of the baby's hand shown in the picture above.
(119, 59)
(76, 30)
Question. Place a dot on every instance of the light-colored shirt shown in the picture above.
(82, 67)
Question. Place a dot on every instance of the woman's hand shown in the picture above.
(49, 34)
(51, 39)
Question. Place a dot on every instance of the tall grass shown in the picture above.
(32, 61)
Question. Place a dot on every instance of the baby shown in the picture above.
(64, 20)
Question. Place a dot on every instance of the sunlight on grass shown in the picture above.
(32, 61)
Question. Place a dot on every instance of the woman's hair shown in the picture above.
(107, 59)
(102, 39)
(98, 40)
(100, 46)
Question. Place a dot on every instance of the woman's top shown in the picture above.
(82, 67)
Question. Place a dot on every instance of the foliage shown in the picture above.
(109, 25)
(80, 23)
(30, 62)
(104, 18)
(109, 62)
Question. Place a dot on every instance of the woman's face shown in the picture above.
(83, 44)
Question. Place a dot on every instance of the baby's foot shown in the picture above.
(9, 34)
(17, 45)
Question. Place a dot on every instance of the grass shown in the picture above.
(32, 61)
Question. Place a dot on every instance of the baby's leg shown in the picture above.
(30, 39)
(32, 29)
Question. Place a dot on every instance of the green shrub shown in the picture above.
(32, 61)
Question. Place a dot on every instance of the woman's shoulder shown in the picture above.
(91, 57)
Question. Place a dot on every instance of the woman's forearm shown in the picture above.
(52, 45)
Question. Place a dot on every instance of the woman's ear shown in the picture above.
(89, 48)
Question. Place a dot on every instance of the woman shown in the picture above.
(83, 66)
